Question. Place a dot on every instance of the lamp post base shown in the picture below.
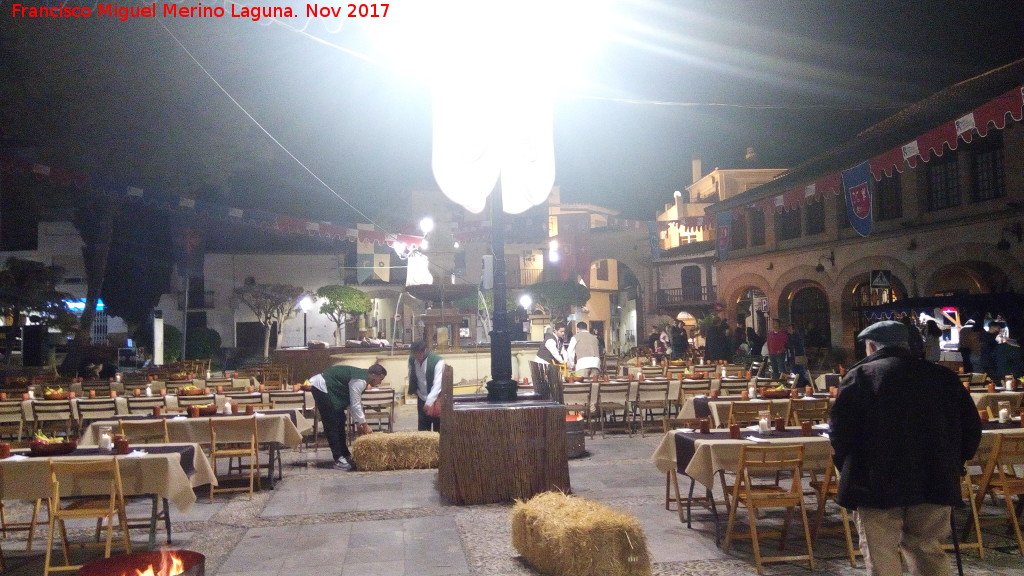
(502, 390)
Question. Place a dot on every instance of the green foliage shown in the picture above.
(172, 344)
(30, 286)
(560, 295)
(339, 302)
(269, 303)
(203, 343)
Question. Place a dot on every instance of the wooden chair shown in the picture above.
(76, 472)
(828, 489)
(274, 376)
(52, 417)
(576, 398)
(999, 479)
(613, 400)
(656, 371)
(733, 386)
(650, 404)
(232, 438)
(289, 400)
(610, 365)
(12, 420)
(149, 432)
(93, 409)
(745, 413)
(807, 410)
(755, 463)
(672, 492)
(100, 387)
(173, 386)
(379, 408)
(967, 492)
(145, 404)
(145, 431)
(675, 372)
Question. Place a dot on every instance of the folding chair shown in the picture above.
(828, 489)
(104, 472)
(52, 416)
(145, 404)
(656, 371)
(613, 398)
(379, 408)
(745, 413)
(756, 462)
(230, 438)
(12, 419)
(93, 409)
(999, 478)
(576, 398)
(651, 400)
(807, 410)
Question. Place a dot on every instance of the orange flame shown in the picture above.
(170, 565)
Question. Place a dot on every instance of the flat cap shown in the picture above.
(886, 333)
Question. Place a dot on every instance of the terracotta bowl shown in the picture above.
(56, 395)
(208, 410)
(772, 393)
(192, 392)
(37, 448)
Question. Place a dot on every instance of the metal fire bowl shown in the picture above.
(128, 564)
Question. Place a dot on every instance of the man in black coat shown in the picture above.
(902, 429)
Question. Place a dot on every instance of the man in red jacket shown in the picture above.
(777, 340)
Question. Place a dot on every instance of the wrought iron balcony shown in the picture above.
(688, 296)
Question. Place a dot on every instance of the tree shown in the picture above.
(269, 303)
(560, 296)
(30, 286)
(338, 302)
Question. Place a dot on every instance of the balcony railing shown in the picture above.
(196, 300)
(516, 277)
(686, 296)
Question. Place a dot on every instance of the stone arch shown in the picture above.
(845, 321)
(815, 317)
(631, 248)
(979, 259)
(737, 290)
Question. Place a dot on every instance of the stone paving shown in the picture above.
(323, 522)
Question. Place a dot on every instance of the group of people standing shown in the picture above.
(582, 354)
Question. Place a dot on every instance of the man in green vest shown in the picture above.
(425, 371)
(337, 388)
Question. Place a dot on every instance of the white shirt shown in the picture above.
(581, 363)
(428, 395)
(355, 395)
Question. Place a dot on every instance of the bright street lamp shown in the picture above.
(306, 304)
(426, 225)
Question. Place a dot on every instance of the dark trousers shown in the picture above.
(426, 423)
(334, 424)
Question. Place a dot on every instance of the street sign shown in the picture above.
(881, 278)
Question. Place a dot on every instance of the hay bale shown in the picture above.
(396, 451)
(564, 535)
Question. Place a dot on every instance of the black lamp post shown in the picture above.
(502, 388)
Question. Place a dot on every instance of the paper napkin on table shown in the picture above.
(757, 439)
(684, 430)
(16, 458)
(821, 426)
(137, 454)
(180, 418)
(824, 435)
(809, 398)
(754, 428)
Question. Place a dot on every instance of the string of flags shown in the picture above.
(252, 217)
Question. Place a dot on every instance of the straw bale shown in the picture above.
(396, 451)
(565, 535)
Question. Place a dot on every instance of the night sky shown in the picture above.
(675, 80)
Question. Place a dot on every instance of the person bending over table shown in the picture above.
(335, 389)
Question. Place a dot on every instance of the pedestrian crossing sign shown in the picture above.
(881, 278)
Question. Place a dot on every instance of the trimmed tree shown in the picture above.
(269, 303)
(560, 296)
(339, 302)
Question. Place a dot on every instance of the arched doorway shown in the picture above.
(752, 310)
(969, 277)
(862, 295)
(808, 310)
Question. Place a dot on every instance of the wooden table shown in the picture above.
(718, 408)
(276, 428)
(170, 471)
